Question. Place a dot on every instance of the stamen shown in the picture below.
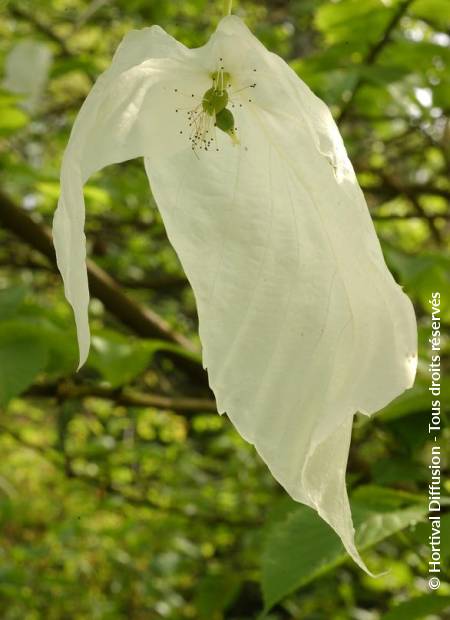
(213, 113)
(244, 88)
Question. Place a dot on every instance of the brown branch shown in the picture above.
(409, 216)
(65, 51)
(42, 27)
(89, 12)
(161, 283)
(372, 55)
(164, 282)
(143, 321)
(125, 396)
(417, 188)
(29, 263)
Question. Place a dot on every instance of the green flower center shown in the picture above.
(225, 120)
(213, 113)
(214, 101)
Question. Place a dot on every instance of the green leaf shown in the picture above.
(381, 499)
(434, 10)
(441, 95)
(423, 531)
(61, 349)
(82, 63)
(415, 401)
(120, 359)
(11, 119)
(303, 547)
(22, 356)
(394, 470)
(418, 607)
(414, 55)
(382, 75)
(215, 593)
(61, 352)
(10, 301)
(117, 358)
(422, 274)
(353, 20)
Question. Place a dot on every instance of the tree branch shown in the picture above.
(412, 198)
(409, 216)
(40, 26)
(90, 11)
(420, 189)
(164, 282)
(372, 56)
(124, 396)
(65, 51)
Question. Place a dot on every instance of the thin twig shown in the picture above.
(372, 56)
(94, 6)
(412, 198)
(40, 26)
(64, 50)
(127, 396)
(410, 216)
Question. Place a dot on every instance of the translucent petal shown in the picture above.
(301, 323)
(125, 116)
(26, 71)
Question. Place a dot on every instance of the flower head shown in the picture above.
(300, 320)
(212, 112)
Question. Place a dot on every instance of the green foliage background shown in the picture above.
(122, 493)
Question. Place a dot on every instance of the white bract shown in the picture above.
(301, 322)
(26, 71)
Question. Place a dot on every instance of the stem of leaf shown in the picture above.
(228, 5)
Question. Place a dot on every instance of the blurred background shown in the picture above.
(122, 493)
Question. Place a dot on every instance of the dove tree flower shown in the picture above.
(301, 323)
